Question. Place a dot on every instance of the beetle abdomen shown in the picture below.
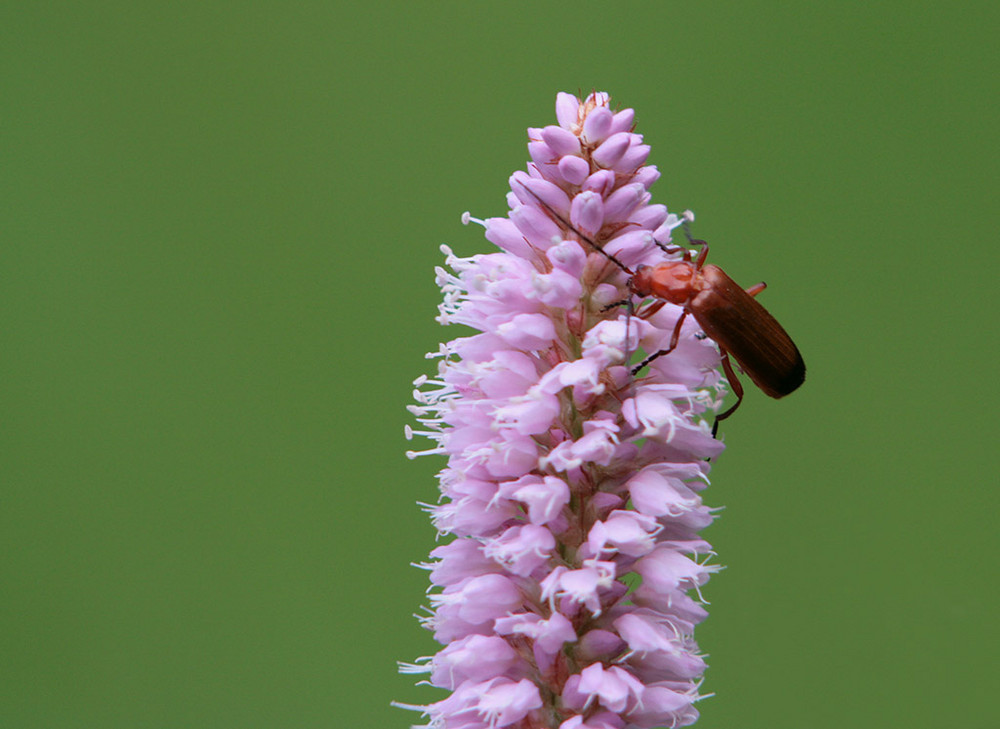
(744, 328)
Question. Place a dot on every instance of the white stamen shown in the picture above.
(431, 452)
(467, 218)
(701, 598)
(424, 666)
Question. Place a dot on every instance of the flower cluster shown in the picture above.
(569, 595)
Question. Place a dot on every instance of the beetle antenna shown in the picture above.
(688, 217)
(585, 238)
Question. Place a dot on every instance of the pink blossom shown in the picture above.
(568, 477)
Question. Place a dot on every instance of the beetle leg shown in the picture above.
(673, 345)
(756, 288)
(733, 383)
(702, 254)
(651, 309)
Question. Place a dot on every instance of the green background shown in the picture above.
(219, 227)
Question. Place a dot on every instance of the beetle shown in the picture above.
(740, 326)
(728, 314)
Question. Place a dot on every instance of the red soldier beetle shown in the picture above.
(727, 313)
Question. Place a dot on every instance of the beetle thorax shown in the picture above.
(673, 281)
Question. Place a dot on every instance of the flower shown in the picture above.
(570, 592)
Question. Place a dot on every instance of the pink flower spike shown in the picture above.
(569, 478)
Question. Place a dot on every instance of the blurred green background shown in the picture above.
(219, 227)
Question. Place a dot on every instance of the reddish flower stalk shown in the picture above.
(569, 481)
